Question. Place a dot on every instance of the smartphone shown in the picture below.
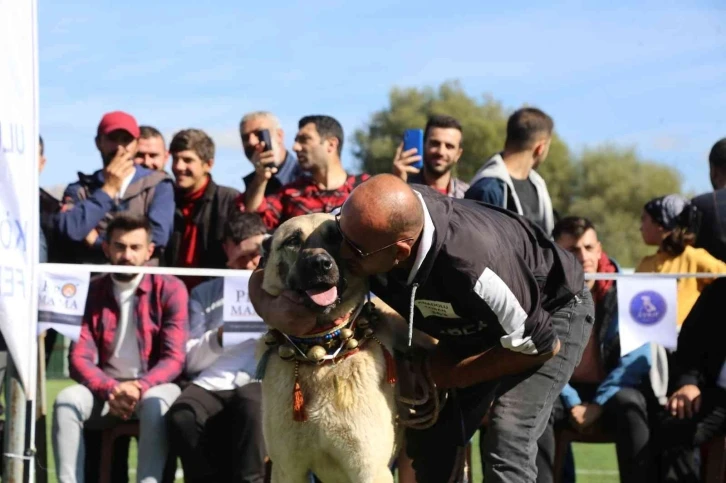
(264, 136)
(413, 138)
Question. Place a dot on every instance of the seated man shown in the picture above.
(130, 349)
(697, 408)
(215, 426)
(604, 387)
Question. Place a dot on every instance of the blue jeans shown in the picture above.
(520, 409)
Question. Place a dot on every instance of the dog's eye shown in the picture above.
(293, 241)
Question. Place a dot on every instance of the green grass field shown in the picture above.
(595, 463)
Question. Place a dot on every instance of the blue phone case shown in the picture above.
(413, 138)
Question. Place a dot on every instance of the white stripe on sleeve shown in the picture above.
(508, 310)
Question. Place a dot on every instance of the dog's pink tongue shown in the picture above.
(323, 297)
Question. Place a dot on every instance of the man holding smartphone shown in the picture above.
(325, 186)
(274, 165)
(442, 150)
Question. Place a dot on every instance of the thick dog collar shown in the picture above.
(330, 345)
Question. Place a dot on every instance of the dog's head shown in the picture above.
(304, 256)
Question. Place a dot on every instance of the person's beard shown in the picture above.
(249, 152)
(124, 277)
(437, 172)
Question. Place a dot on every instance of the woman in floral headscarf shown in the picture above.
(670, 223)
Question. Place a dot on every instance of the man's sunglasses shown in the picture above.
(360, 253)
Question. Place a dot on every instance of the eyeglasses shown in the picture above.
(359, 253)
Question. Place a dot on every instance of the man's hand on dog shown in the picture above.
(286, 313)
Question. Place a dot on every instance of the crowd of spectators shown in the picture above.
(151, 346)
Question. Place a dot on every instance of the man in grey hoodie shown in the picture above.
(509, 179)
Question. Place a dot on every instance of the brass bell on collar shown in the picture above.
(316, 354)
(286, 352)
(368, 333)
(270, 338)
(351, 344)
(346, 334)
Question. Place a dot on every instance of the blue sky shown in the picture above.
(649, 74)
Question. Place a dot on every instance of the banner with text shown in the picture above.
(61, 302)
(647, 312)
(19, 223)
(241, 322)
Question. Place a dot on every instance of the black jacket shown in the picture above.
(49, 207)
(210, 216)
(712, 229)
(701, 350)
(490, 278)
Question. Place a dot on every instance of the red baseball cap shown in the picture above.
(112, 121)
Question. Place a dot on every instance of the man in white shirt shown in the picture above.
(215, 426)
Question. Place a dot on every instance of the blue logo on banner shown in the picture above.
(648, 307)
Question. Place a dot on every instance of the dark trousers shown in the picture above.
(521, 408)
(218, 434)
(626, 414)
(676, 441)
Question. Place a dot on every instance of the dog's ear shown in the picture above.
(266, 247)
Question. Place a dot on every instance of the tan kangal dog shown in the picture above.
(329, 402)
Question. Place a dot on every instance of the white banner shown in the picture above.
(62, 301)
(647, 312)
(19, 215)
(241, 322)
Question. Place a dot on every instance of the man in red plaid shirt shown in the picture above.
(131, 348)
(324, 186)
